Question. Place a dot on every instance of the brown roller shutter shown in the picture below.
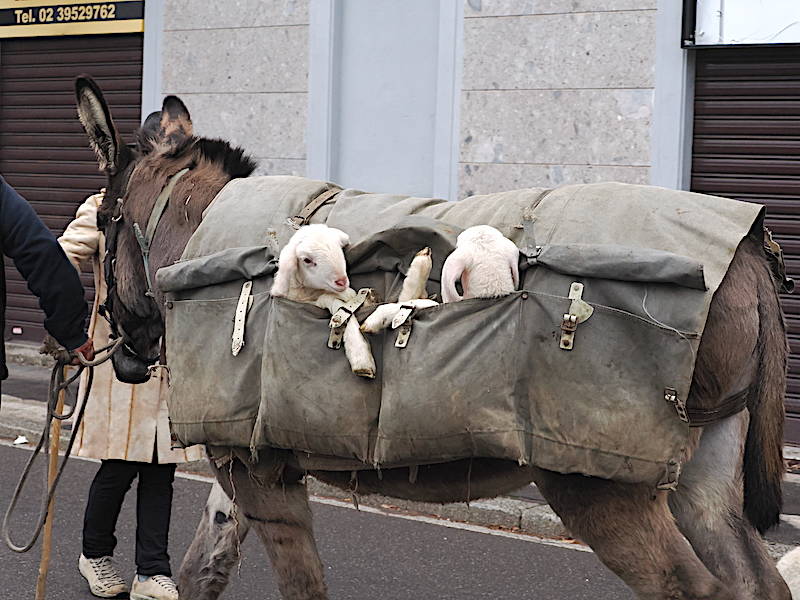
(747, 146)
(44, 152)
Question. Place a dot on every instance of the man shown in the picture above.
(48, 272)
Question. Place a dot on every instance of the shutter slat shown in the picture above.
(44, 152)
(747, 146)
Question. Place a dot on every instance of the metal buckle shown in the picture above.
(671, 396)
(335, 338)
(579, 311)
(403, 334)
(569, 322)
(402, 315)
(340, 317)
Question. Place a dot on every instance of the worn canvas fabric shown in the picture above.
(478, 378)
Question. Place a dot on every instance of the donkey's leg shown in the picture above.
(708, 506)
(631, 530)
(215, 549)
(275, 502)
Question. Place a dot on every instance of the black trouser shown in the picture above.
(153, 508)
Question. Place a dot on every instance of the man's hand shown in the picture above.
(87, 351)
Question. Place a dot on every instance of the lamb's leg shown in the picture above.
(275, 502)
(357, 350)
(383, 316)
(215, 549)
(417, 276)
(631, 530)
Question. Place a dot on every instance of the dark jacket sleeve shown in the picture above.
(45, 267)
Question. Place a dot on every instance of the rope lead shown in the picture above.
(57, 384)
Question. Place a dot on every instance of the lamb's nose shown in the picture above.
(341, 282)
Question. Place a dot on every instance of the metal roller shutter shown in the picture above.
(44, 152)
(747, 146)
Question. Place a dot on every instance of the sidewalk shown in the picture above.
(525, 511)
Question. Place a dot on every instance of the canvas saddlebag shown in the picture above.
(586, 368)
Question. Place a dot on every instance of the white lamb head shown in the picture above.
(313, 259)
(486, 262)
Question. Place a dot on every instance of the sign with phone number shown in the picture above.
(33, 18)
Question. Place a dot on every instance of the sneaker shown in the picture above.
(157, 587)
(102, 577)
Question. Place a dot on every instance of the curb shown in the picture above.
(27, 353)
(502, 512)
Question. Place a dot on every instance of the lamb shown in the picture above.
(312, 270)
(486, 262)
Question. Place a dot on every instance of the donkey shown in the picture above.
(699, 542)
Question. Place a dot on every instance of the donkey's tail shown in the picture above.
(763, 454)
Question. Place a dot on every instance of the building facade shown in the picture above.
(444, 98)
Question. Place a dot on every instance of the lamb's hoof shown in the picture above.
(426, 251)
(367, 373)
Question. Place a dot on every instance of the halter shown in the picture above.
(144, 240)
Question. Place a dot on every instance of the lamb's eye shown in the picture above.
(308, 261)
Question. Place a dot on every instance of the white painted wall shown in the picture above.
(747, 22)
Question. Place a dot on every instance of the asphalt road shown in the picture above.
(366, 555)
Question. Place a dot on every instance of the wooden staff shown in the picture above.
(52, 467)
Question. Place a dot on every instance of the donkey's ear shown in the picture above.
(96, 120)
(176, 124)
(147, 135)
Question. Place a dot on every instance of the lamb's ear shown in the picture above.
(176, 124)
(287, 269)
(451, 272)
(96, 120)
(344, 239)
(513, 259)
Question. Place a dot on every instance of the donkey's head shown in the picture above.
(137, 174)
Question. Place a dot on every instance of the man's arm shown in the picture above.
(45, 267)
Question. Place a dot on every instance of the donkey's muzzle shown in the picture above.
(130, 368)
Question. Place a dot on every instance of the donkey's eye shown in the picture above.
(308, 261)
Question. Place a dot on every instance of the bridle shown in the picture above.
(144, 239)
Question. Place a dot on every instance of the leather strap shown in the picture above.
(146, 238)
(312, 207)
(240, 318)
(699, 417)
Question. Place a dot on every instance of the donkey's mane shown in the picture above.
(231, 159)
